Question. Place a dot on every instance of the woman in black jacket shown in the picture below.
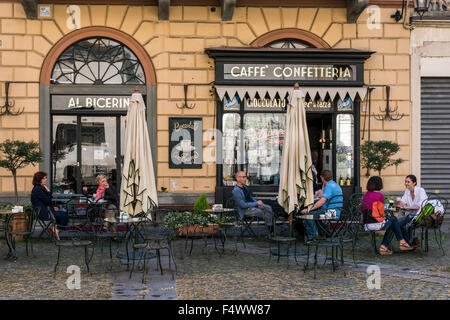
(41, 197)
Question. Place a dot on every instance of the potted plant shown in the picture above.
(17, 154)
(376, 155)
(197, 220)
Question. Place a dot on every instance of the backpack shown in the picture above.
(427, 210)
(378, 211)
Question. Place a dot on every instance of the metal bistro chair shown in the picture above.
(435, 225)
(156, 237)
(74, 240)
(246, 222)
(77, 208)
(282, 241)
(329, 234)
(30, 225)
(96, 225)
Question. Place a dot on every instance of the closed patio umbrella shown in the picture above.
(296, 178)
(138, 189)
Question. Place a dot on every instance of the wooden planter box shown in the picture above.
(19, 223)
(196, 229)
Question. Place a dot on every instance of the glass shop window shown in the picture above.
(345, 149)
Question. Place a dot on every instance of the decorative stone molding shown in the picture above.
(290, 33)
(354, 9)
(163, 9)
(227, 9)
(30, 7)
(89, 32)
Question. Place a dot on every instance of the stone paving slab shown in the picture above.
(245, 275)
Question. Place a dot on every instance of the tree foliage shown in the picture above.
(16, 154)
(376, 155)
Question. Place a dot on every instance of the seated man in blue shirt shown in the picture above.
(246, 205)
(331, 191)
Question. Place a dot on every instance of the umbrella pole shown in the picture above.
(290, 223)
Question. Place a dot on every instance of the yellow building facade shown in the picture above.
(175, 49)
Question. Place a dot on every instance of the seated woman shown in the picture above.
(374, 218)
(41, 197)
(412, 200)
(108, 193)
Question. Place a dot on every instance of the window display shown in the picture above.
(256, 148)
(344, 149)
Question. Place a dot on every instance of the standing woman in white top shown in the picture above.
(412, 201)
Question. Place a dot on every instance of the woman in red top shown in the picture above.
(108, 193)
(374, 219)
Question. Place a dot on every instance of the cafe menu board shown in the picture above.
(185, 143)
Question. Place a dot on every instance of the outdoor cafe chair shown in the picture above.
(155, 236)
(245, 223)
(329, 234)
(284, 244)
(97, 227)
(74, 240)
(435, 225)
(29, 221)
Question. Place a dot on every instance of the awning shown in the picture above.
(282, 91)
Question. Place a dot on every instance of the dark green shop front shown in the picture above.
(253, 87)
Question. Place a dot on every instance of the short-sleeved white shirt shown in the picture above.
(419, 196)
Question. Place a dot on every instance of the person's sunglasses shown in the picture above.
(242, 176)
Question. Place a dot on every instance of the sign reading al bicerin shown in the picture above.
(106, 103)
(243, 71)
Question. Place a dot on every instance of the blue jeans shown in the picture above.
(310, 225)
(407, 227)
(391, 226)
(62, 218)
(265, 212)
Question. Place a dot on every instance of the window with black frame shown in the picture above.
(252, 140)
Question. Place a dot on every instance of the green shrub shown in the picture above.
(201, 204)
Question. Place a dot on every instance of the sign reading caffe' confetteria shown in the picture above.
(305, 72)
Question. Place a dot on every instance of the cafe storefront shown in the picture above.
(253, 87)
(90, 88)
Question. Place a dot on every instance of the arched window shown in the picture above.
(290, 38)
(98, 61)
(289, 43)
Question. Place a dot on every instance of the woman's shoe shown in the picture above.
(405, 247)
(384, 251)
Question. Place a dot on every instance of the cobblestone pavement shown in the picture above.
(248, 274)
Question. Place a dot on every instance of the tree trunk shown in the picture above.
(14, 173)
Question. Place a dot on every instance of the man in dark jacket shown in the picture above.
(246, 205)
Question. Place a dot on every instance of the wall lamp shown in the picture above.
(420, 6)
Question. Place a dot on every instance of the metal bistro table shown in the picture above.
(131, 234)
(317, 242)
(227, 220)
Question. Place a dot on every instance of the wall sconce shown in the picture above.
(6, 109)
(397, 15)
(421, 6)
(185, 105)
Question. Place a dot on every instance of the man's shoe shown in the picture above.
(308, 242)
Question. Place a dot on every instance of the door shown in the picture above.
(83, 148)
(435, 135)
(98, 154)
